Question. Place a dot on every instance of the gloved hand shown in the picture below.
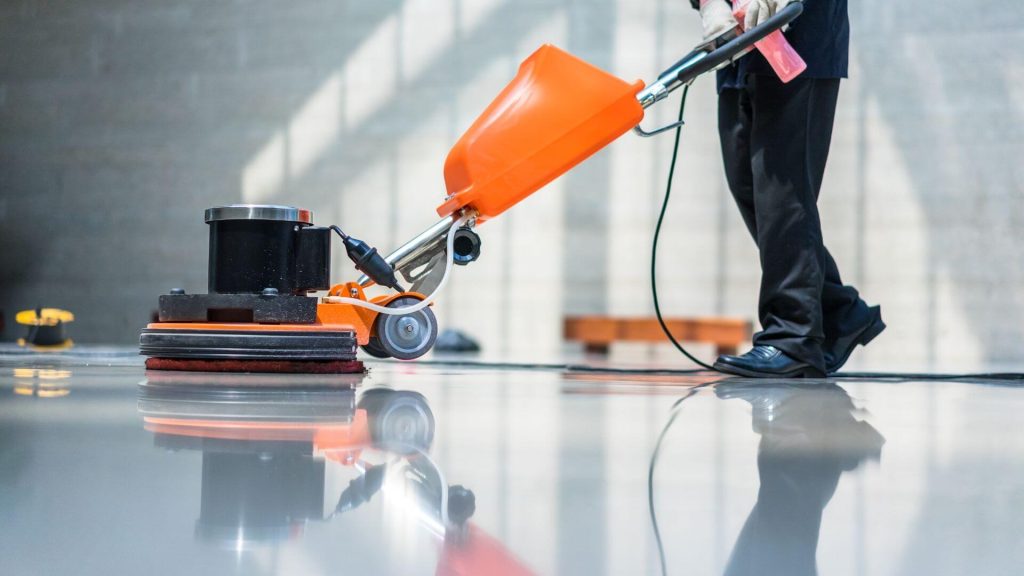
(760, 10)
(716, 17)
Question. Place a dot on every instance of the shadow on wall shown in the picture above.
(394, 99)
(944, 89)
(124, 121)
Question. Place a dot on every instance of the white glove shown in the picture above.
(760, 10)
(716, 18)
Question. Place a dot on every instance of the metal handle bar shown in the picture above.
(714, 53)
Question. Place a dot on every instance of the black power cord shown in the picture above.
(673, 413)
(368, 261)
(657, 234)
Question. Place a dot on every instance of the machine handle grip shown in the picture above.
(715, 53)
(731, 49)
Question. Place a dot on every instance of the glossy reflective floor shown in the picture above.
(435, 469)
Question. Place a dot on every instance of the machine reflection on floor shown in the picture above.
(267, 440)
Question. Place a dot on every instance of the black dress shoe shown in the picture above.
(838, 352)
(766, 362)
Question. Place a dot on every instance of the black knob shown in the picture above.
(461, 504)
(466, 246)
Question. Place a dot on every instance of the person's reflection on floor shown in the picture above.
(809, 437)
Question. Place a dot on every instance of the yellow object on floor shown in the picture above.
(47, 328)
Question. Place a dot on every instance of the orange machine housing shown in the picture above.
(555, 113)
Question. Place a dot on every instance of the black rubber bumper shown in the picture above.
(247, 344)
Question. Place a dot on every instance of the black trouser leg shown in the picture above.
(843, 310)
(775, 139)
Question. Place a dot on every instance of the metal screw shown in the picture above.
(270, 291)
(408, 325)
(177, 291)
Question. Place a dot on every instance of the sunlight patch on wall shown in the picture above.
(315, 126)
(370, 74)
(956, 343)
(264, 175)
(422, 44)
(471, 14)
(401, 47)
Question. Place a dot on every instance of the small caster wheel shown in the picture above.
(406, 336)
(373, 348)
(400, 420)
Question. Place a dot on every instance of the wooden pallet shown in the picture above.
(597, 333)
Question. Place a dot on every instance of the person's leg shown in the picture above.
(790, 136)
(734, 117)
(843, 311)
(846, 319)
(839, 303)
(736, 113)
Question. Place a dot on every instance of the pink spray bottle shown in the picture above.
(774, 47)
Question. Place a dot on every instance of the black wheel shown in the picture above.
(400, 420)
(406, 336)
(373, 348)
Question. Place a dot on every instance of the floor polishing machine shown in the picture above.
(265, 260)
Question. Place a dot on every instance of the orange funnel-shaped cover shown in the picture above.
(555, 113)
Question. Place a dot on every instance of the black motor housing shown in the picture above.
(255, 247)
(263, 261)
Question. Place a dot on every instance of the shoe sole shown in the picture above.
(865, 338)
(805, 372)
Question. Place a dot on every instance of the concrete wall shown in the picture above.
(120, 121)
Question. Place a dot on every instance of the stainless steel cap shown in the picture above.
(259, 212)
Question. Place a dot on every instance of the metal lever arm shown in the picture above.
(416, 251)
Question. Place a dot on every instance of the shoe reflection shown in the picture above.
(810, 435)
(267, 442)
